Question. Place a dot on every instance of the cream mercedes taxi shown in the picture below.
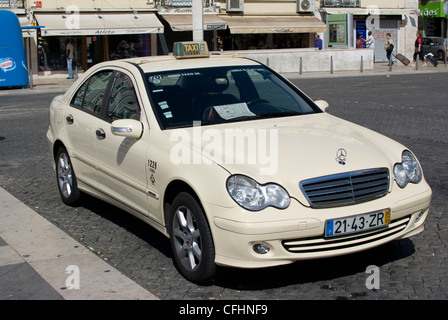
(231, 161)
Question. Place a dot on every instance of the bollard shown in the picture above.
(267, 62)
(76, 72)
(31, 79)
(416, 63)
(362, 64)
(300, 66)
(331, 65)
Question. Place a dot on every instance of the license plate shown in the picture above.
(355, 224)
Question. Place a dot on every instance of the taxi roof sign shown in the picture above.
(190, 49)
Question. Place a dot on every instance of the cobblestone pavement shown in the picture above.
(409, 108)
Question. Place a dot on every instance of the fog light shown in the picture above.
(419, 215)
(261, 248)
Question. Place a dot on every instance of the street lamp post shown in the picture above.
(198, 25)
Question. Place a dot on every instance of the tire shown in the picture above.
(191, 240)
(66, 179)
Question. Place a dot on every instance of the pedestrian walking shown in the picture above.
(418, 53)
(69, 55)
(318, 42)
(360, 42)
(389, 47)
(444, 49)
(370, 41)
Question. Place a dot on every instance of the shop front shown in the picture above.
(95, 36)
(178, 22)
(346, 24)
(248, 32)
(225, 30)
(433, 20)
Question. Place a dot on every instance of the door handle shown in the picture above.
(100, 134)
(69, 119)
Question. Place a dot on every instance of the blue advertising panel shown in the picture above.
(13, 66)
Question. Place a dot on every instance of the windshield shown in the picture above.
(223, 95)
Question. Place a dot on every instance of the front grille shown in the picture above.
(320, 244)
(346, 188)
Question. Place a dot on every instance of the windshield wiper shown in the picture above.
(279, 114)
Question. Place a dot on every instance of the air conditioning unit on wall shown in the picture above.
(306, 5)
(235, 5)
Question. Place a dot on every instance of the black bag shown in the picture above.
(390, 48)
(432, 60)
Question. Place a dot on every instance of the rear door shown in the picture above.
(81, 121)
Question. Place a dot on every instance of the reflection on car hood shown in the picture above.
(289, 150)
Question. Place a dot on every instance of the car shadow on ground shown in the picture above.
(301, 272)
(309, 271)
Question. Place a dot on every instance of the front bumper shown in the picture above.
(296, 233)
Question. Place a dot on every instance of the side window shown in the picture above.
(123, 103)
(90, 95)
(79, 96)
(95, 91)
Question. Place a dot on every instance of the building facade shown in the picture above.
(112, 29)
(433, 19)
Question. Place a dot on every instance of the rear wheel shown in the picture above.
(66, 178)
(191, 240)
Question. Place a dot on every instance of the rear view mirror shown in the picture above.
(127, 128)
(322, 104)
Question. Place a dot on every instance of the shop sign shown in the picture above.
(173, 10)
(221, 26)
(432, 10)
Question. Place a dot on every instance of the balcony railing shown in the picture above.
(340, 3)
(182, 3)
(12, 4)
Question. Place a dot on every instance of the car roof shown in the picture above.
(167, 63)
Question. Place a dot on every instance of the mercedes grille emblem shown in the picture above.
(341, 156)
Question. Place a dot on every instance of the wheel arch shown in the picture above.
(56, 146)
(174, 188)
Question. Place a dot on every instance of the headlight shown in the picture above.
(252, 196)
(408, 170)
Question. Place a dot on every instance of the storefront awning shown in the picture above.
(98, 23)
(274, 24)
(369, 11)
(184, 22)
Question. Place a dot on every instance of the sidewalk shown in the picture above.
(380, 68)
(40, 262)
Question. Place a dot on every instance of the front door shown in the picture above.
(122, 167)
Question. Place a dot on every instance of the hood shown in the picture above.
(289, 150)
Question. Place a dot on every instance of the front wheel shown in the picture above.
(191, 240)
(66, 178)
